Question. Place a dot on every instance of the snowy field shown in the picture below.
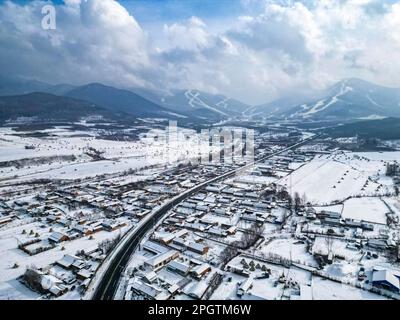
(329, 178)
(323, 289)
(289, 249)
(46, 159)
(337, 246)
(367, 209)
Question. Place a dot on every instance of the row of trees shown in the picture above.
(107, 245)
(295, 202)
(249, 238)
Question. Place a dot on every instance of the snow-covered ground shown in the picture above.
(367, 209)
(329, 178)
(353, 184)
(394, 204)
(118, 155)
(323, 289)
(323, 245)
(289, 249)
(270, 289)
(10, 287)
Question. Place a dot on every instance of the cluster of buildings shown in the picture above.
(195, 233)
(71, 273)
(77, 217)
(184, 253)
(205, 246)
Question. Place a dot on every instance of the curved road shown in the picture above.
(107, 285)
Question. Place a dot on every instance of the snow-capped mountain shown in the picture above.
(197, 103)
(278, 107)
(349, 99)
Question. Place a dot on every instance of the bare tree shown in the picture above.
(251, 235)
(304, 199)
(329, 240)
(229, 253)
(290, 202)
(33, 279)
(297, 202)
(107, 245)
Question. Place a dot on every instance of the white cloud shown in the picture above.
(191, 36)
(280, 48)
(95, 40)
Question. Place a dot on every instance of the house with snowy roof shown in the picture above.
(387, 279)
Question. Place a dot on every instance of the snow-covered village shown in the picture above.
(306, 219)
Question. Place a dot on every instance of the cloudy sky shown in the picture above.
(252, 50)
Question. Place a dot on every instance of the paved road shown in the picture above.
(107, 285)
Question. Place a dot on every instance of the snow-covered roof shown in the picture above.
(86, 274)
(386, 276)
(144, 288)
(179, 241)
(197, 289)
(175, 265)
(246, 285)
(181, 233)
(201, 268)
(56, 236)
(154, 247)
(196, 246)
(173, 288)
(154, 261)
(67, 260)
(150, 276)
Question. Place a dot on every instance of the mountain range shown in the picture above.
(48, 107)
(197, 102)
(348, 99)
(179, 104)
(117, 100)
